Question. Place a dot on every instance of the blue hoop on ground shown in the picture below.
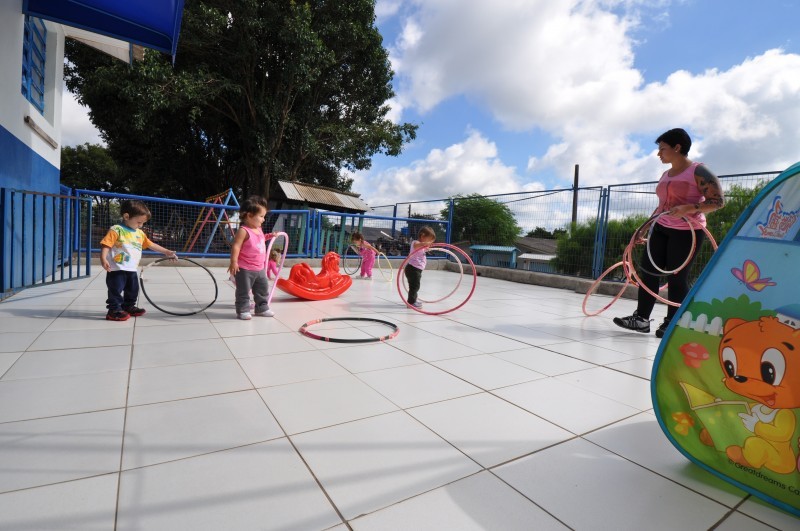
(182, 314)
(304, 330)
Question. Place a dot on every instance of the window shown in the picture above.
(33, 58)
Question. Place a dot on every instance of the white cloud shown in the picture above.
(567, 68)
(471, 166)
(387, 8)
(76, 128)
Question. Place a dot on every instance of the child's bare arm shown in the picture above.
(236, 247)
(163, 250)
(104, 257)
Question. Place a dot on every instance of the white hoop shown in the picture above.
(458, 284)
(388, 263)
(691, 251)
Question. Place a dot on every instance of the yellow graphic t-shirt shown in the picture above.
(126, 247)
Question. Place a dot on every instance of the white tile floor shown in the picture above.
(514, 412)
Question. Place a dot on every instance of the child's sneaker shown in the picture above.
(245, 316)
(369, 277)
(135, 312)
(265, 313)
(416, 304)
(117, 315)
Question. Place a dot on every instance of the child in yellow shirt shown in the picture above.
(121, 250)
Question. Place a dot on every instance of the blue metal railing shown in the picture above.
(39, 236)
(396, 237)
(194, 228)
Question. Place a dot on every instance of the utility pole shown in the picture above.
(575, 196)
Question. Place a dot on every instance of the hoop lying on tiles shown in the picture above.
(304, 330)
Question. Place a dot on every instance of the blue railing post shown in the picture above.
(449, 232)
(89, 240)
(601, 230)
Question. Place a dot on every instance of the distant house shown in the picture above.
(537, 254)
(494, 255)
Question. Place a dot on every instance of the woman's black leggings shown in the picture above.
(669, 248)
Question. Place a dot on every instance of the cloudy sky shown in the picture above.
(510, 94)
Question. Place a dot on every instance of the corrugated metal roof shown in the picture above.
(291, 192)
(537, 245)
(322, 196)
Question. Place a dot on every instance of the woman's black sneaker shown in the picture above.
(633, 322)
(662, 329)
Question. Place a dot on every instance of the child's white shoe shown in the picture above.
(266, 313)
(244, 316)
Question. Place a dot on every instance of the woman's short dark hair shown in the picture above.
(675, 137)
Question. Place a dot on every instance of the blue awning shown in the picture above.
(151, 23)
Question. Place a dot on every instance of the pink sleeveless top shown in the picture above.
(253, 255)
(680, 190)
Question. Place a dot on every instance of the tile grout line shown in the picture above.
(291, 442)
(124, 428)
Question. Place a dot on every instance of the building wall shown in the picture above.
(27, 161)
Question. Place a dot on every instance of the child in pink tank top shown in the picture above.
(249, 259)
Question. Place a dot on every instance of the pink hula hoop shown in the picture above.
(631, 276)
(280, 265)
(422, 250)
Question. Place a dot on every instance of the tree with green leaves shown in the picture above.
(260, 90)
(541, 232)
(575, 247)
(91, 167)
(482, 220)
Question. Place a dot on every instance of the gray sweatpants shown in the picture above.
(251, 280)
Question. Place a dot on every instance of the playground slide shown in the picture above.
(726, 378)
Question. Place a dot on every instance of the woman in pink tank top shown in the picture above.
(687, 190)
